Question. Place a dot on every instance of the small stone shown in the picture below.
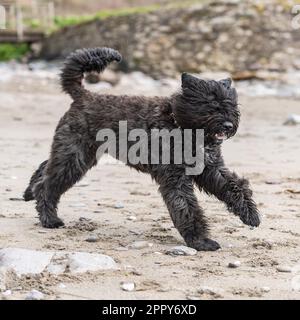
(273, 182)
(292, 120)
(16, 199)
(265, 289)
(132, 218)
(92, 238)
(128, 286)
(182, 251)
(77, 205)
(119, 205)
(7, 293)
(216, 293)
(284, 269)
(122, 249)
(140, 245)
(234, 264)
(193, 298)
(34, 295)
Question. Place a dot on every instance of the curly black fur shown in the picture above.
(208, 105)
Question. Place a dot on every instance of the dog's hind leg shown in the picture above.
(232, 190)
(71, 157)
(28, 194)
(188, 217)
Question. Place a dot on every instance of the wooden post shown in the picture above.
(19, 18)
(51, 14)
(12, 17)
(2, 17)
(34, 8)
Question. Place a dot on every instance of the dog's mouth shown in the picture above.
(221, 136)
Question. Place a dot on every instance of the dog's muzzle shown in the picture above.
(225, 133)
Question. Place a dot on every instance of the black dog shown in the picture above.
(209, 105)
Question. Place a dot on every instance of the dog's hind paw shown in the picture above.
(205, 244)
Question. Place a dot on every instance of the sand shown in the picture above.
(264, 151)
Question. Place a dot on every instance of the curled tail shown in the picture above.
(81, 61)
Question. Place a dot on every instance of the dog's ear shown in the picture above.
(226, 83)
(187, 81)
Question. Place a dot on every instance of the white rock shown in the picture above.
(92, 238)
(284, 269)
(80, 262)
(58, 264)
(265, 289)
(119, 205)
(292, 119)
(234, 264)
(182, 251)
(140, 245)
(34, 295)
(24, 261)
(128, 286)
(7, 293)
(132, 218)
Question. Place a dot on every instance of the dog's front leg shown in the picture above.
(232, 190)
(187, 216)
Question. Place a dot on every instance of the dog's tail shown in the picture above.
(81, 61)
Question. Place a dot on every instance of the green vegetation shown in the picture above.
(61, 22)
(10, 51)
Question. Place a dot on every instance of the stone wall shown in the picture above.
(233, 36)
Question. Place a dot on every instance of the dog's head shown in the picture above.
(210, 105)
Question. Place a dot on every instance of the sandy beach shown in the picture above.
(121, 206)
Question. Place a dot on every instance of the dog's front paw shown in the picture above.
(250, 216)
(52, 223)
(205, 244)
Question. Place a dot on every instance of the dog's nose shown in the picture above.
(228, 125)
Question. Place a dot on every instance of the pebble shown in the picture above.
(119, 205)
(265, 289)
(140, 245)
(216, 293)
(182, 251)
(92, 238)
(7, 293)
(16, 199)
(77, 205)
(34, 295)
(234, 264)
(62, 286)
(284, 269)
(193, 298)
(292, 119)
(128, 286)
(132, 218)
(121, 249)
